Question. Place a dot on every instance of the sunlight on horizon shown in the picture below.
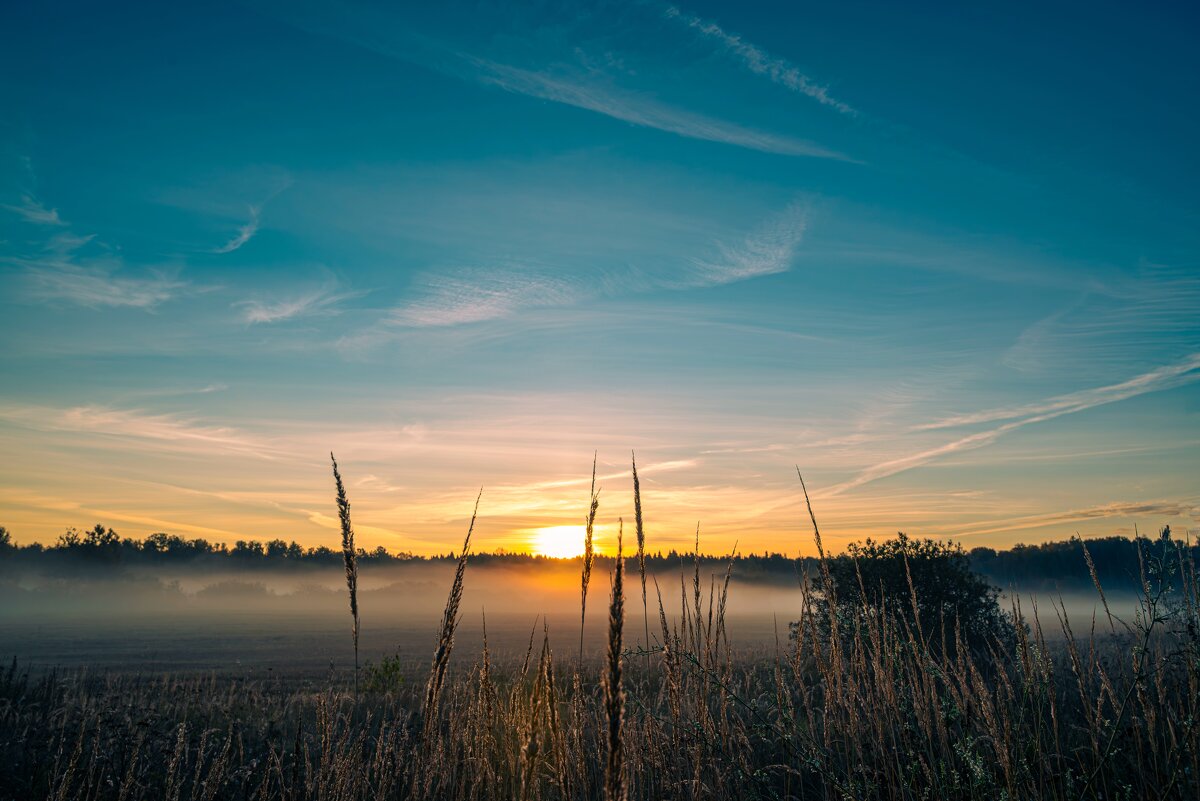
(560, 542)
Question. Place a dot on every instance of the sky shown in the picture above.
(944, 260)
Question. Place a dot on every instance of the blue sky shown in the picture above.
(943, 259)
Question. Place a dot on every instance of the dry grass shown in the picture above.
(884, 711)
(349, 558)
(614, 692)
(641, 545)
(589, 553)
(445, 644)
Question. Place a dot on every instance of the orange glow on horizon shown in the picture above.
(560, 542)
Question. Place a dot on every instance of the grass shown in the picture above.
(349, 559)
(589, 554)
(615, 788)
(883, 709)
(445, 644)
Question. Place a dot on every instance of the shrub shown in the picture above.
(388, 675)
(927, 583)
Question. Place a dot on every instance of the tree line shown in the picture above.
(1050, 565)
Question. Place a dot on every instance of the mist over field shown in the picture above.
(239, 619)
(254, 621)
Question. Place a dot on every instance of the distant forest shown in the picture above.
(1050, 565)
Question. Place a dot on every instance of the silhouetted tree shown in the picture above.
(1060, 565)
(928, 584)
(69, 539)
(1049, 566)
(247, 550)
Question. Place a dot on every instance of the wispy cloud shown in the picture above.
(537, 502)
(894, 466)
(64, 243)
(760, 62)
(169, 392)
(98, 287)
(639, 110)
(319, 300)
(645, 470)
(1155, 510)
(767, 250)
(475, 296)
(244, 234)
(478, 295)
(1163, 378)
(33, 210)
(20, 497)
(135, 424)
(581, 84)
(73, 268)
(374, 482)
(1115, 322)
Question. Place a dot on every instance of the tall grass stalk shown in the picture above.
(349, 558)
(445, 644)
(588, 553)
(615, 788)
(641, 549)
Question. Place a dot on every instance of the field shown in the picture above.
(875, 705)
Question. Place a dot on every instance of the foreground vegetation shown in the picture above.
(876, 693)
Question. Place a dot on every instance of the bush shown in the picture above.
(385, 677)
(874, 579)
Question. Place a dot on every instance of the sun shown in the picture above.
(560, 542)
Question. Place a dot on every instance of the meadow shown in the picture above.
(856, 698)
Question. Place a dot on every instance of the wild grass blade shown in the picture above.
(349, 558)
(588, 553)
(641, 548)
(615, 788)
(441, 656)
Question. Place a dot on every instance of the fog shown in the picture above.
(271, 623)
